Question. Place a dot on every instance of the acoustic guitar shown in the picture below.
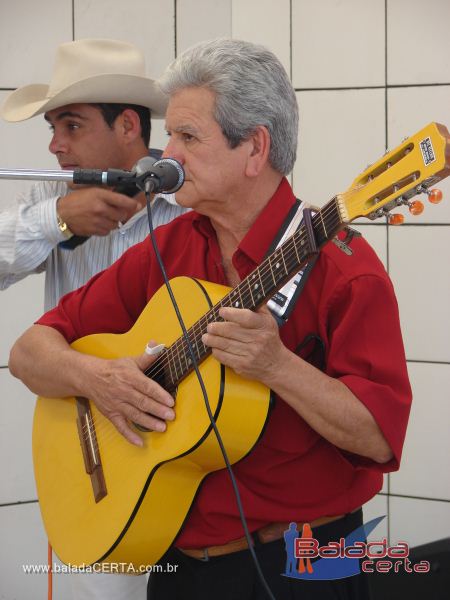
(103, 499)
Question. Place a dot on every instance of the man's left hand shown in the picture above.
(246, 341)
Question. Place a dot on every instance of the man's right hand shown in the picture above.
(124, 395)
(95, 211)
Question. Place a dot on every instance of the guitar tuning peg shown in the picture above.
(396, 219)
(416, 207)
(434, 196)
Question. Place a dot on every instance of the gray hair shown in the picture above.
(252, 88)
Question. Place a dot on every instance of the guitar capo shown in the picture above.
(307, 220)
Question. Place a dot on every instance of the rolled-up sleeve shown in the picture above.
(366, 353)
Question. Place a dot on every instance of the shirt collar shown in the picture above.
(263, 231)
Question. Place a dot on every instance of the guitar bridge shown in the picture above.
(89, 448)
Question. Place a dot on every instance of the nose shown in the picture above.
(57, 143)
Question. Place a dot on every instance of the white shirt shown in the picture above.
(29, 238)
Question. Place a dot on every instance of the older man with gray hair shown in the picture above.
(335, 424)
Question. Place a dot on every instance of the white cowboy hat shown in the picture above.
(89, 71)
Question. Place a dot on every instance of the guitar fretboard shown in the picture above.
(175, 363)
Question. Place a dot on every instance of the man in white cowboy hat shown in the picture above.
(98, 105)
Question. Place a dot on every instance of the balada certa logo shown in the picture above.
(345, 557)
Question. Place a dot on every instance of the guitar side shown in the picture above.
(149, 490)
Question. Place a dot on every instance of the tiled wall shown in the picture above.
(367, 74)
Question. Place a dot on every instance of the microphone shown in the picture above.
(164, 175)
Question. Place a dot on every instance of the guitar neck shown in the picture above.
(175, 363)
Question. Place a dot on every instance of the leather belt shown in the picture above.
(268, 533)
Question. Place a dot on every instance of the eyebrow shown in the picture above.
(186, 129)
(63, 115)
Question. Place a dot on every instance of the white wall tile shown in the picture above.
(418, 521)
(377, 507)
(425, 468)
(149, 24)
(24, 146)
(338, 44)
(16, 416)
(341, 132)
(418, 50)
(28, 38)
(418, 258)
(20, 305)
(376, 236)
(23, 542)
(409, 110)
(158, 138)
(264, 22)
(199, 20)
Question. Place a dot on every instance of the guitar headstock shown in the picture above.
(412, 168)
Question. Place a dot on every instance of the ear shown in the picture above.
(259, 148)
(129, 125)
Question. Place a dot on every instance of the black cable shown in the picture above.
(207, 405)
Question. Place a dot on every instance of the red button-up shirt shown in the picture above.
(293, 474)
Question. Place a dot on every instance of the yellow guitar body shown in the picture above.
(149, 490)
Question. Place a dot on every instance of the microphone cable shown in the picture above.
(205, 397)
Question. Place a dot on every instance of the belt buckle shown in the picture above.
(205, 557)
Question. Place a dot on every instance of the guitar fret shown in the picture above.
(198, 351)
(284, 262)
(186, 356)
(271, 271)
(323, 224)
(249, 301)
(294, 242)
(233, 294)
(176, 359)
(237, 292)
(291, 261)
(169, 362)
(257, 275)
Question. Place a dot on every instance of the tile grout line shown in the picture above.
(389, 494)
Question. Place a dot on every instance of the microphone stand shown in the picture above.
(111, 177)
(164, 175)
(36, 175)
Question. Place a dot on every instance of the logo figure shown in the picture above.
(290, 535)
(306, 533)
